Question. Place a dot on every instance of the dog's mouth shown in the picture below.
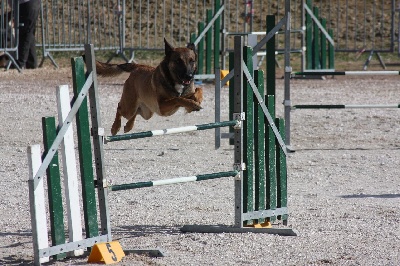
(186, 82)
(186, 79)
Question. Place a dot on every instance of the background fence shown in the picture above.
(128, 25)
(9, 11)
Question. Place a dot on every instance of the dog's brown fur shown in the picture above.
(161, 90)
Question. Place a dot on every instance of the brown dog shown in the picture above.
(161, 90)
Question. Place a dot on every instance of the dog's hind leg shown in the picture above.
(129, 125)
(145, 112)
(117, 122)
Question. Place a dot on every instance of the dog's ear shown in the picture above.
(168, 47)
(191, 46)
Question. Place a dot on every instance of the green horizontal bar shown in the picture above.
(216, 175)
(322, 106)
(345, 106)
(348, 73)
(216, 125)
(320, 73)
(131, 186)
(129, 136)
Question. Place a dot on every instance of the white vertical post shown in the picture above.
(69, 170)
(37, 205)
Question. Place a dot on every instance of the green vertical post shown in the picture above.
(309, 37)
(281, 171)
(54, 186)
(259, 140)
(231, 95)
(192, 37)
(331, 51)
(317, 41)
(248, 142)
(192, 40)
(200, 49)
(208, 42)
(85, 152)
(270, 159)
(323, 46)
(271, 71)
(217, 36)
(270, 138)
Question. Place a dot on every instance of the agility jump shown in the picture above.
(344, 73)
(260, 186)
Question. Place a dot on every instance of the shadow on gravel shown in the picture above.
(18, 233)
(361, 196)
(143, 230)
(15, 260)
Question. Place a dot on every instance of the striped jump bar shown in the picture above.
(160, 132)
(173, 181)
(344, 106)
(345, 73)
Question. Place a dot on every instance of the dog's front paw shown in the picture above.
(198, 95)
(193, 106)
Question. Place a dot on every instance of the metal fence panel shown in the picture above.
(142, 25)
(8, 33)
(66, 25)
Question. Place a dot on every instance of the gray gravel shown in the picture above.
(343, 179)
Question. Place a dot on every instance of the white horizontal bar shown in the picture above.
(160, 132)
(204, 76)
(370, 72)
(174, 180)
(371, 106)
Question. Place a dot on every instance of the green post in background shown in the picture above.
(259, 140)
(54, 187)
(200, 49)
(85, 152)
(281, 172)
(270, 137)
(309, 37)
(271, 72)
(248, 141)
(323, 45)
(217, 35)
(270, 158)
(331, 51)
(208, 42)
(316, 47)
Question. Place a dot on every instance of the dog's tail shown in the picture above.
(110, 70)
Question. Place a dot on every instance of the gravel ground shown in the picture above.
(343, 179)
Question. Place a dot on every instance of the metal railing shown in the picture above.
(127, 25)
(9, 12)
